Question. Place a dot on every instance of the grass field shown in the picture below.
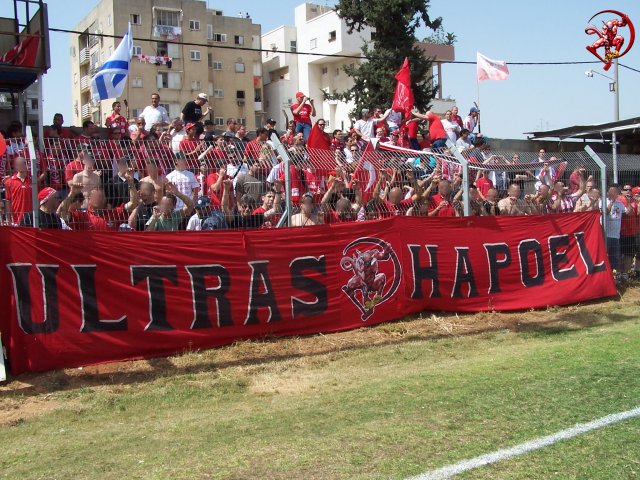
(386, 402)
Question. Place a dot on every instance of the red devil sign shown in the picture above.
(609, 38)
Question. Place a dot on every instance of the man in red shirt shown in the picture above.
(18, 191)
(437, 133)
(191, 146)
(116, 121)
(56, 130)
(441, 204)
(254, 147)
(302, 113)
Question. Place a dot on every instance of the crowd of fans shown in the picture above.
(154, 173)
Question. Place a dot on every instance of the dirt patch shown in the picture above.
(35, 393)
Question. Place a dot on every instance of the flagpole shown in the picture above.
(478, 101)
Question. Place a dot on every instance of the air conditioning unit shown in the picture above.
(240, 102)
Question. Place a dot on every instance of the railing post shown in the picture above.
(280, 148)
(34, 179)
(465, 176)
(603, 186)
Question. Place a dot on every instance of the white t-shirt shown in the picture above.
(614, 218)
(470, 123)
(185, 182)
(452, 129)
(365, 127)
(195, 223)
(153, 115)
(176, 138)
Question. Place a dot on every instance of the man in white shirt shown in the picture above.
(184, 180)
(471, 122)
(613, 219)
(177, 133)
(365, 127)
(154, 114)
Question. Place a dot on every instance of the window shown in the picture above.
(170, 80)
(194, 55)
(242, 121)
(95, 59)
(214, 64)
(194, 24)
(220, 37)
(136, 82)
(373, 36)
(196, 85)
(313, 44)
(109, 19)
(209, 32)
(137, 50)
(332, 36)
(135, 19)
(239, 67)
(75, 78)
(218, 121)
(136, 112)
(168, 18)
(293, 45)
(240, 94)
(324, 70)
(238, 40)
(210, 89)
(218, 93)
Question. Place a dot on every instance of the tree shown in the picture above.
(395, 23)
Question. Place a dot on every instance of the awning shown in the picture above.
(600, 132)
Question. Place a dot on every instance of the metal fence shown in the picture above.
(192, 184)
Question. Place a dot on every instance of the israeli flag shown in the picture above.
(110, 80)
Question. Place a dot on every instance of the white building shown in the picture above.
(319, 31)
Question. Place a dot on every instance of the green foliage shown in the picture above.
(440, 37)
(395, 23)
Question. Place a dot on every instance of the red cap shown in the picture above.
(189, 125)
(45, 194)
(635, 191)
(300, 94)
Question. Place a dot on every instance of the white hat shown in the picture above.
(203, 96)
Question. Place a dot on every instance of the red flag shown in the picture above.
(3, 145)
(319, 150)
(366, 172)
(24, 54)
(403, 98)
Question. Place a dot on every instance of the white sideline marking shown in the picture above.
(506, 453)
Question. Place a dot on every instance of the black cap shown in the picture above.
(208, 122)
(271, 121)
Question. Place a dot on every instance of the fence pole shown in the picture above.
(280, 148)
(465, 176)
(34, 179)
(603, 186)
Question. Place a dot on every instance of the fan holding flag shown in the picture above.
(110, 80)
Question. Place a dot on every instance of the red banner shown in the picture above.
(76, 298)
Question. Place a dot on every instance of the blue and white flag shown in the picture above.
(110, 80)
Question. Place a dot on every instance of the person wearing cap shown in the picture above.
(203, 209)
(471, 121)
(308, 215)
(209, 127)
(191, 146)
(302, 111)
(271, 128)
(47, 213)
(193, 110)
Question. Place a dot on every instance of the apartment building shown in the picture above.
(322, 36)
(181, 48)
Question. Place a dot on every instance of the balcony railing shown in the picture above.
(85, 55)
(86, 110)
(85, 82)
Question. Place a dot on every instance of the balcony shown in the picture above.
(257, 106)
(85, 82)
(85, 55)
(93, 40)
(86, 110)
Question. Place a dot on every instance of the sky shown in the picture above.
(532, 98)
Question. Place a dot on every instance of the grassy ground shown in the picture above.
(385, 402)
